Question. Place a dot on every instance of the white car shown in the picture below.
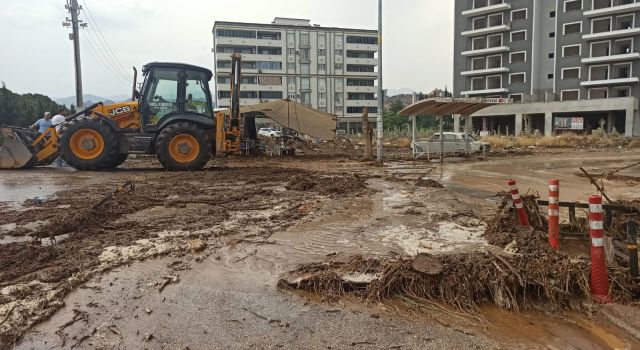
(454, 142)
(269, 132)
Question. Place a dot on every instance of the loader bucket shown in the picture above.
(15, 148)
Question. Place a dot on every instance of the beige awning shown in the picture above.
(293, 115)
(451, 105)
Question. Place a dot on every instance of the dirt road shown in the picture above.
(222, 238)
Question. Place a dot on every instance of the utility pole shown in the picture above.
(380, 126)
(75, 24)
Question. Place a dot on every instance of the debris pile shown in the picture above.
(429, 183)
(518, 271)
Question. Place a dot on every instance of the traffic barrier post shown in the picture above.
(517, 202)
(554, 213)
(599, 275)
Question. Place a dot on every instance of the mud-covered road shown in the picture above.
(191, 260)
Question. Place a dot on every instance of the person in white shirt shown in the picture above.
(57, 121)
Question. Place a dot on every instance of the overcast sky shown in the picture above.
(37, 56)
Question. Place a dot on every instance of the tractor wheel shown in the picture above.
(183, 146)
(89, 144)
(118, 160)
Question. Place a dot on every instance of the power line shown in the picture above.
(105, 68)
(94, 23)
(113, 70)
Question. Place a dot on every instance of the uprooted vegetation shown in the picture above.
(600, 140)
(517, 271)
(330, 185)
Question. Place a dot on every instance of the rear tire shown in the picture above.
(89, 144)
(183, 146)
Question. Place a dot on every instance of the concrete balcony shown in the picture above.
(365, 61)
(362, 103)
(486, 10)
(487, 30)
(360, 74)
(367, 89)
(486, 51)
(485, 92)
(613, 10)
(612, 58)
(360, 47)
(616, 81)
(487, 71)
(612, 34)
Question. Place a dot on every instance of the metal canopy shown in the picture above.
(451, 105)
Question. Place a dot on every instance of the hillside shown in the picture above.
(23, 110)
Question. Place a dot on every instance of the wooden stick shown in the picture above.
(595, 183)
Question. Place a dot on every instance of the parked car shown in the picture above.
(454, 142)
(269, 132)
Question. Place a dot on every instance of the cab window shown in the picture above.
(196, 94)
(162, 95)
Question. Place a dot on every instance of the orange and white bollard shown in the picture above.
(517, 202)
(554, 214)
(599, 276)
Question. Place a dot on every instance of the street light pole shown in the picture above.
(380, 126)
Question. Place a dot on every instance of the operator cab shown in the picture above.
(173, 89)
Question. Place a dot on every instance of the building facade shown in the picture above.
(329, 69)
(555, 58)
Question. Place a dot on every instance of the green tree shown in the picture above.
(23, 110)
(392, 118)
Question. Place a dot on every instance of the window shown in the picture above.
(601, 25)
(494, 82)
(268, 65)
(269, 35)
(338, 66)
(621, 91)
(305, 68)
(600, 49)
(224, 80)
(479, 43)
(518, 15)
(162, 94)
(339, 52)
(518, 57)
(519, 35)
(305, 84)
(223, 64)
(550, 76)
(625, 22)
(360, 82)
(494, 40)
(479, 23)
(570, 51)
(572, 5)
(572, 28)
(235, 49)
(570, 95)
(552, 34)
(479, 4)
(291, 51)
(291, 81)
(552, 14)
(478, 63)
(621, 71)
(517, 98)
(517, 78)
(371, 40)
(360, 110)
(360, 68)
(291, 67)
(624, 46)
(338, 98)
(270, 80)
(262, 50)
(236, 33)
(304, 54)
(224, 94)
(599, 72)
(248, 94)
(494, 61)
(273, 95)
(322, 67)
(304, 39)
(478, 84)
(495, 20)
(360, 54)
(552, 55)
(305, 98)
(322, 52)
(248, 80)
(571, 73)
(595, 93)
(359, 96)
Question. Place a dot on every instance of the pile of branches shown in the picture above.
(517, 271)
(331, 185)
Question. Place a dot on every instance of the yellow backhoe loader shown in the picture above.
(171, 117)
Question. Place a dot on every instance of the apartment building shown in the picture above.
(566, 64)
(329, 69)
